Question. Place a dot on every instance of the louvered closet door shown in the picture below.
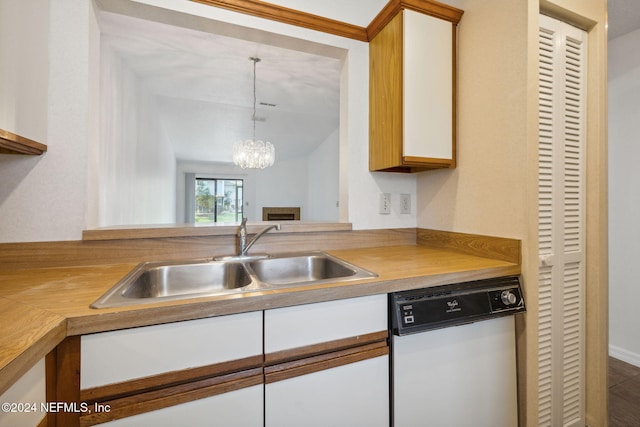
(562, 62)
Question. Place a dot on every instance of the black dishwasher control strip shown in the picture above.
(456, 304)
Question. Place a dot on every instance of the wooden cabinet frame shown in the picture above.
(159, 391)
(386, 99)
(295, 362)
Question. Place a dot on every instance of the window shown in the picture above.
(218, 200)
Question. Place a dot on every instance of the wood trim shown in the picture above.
(30, 255)
(290, 16)
(454, 98)
(385, 96)
(170, 396)
(44, 421)
(325, 347)
(500, 248)
(168, 379)
(293, 213)
(63, 381)
(319, 23)
(322, 362)
(10, 143)
(386, 90)
(434, 8)
(385, 16)
(422, 161)
(51, 381)
(428, 7)
(186, 230)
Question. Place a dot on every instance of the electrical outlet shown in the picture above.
(385, 203)
(405, 203)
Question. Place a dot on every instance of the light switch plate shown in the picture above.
(405, 203)
(385, 203)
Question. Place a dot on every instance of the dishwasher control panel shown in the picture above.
(449, 305)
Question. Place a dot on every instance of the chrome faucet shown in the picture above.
(243, 246)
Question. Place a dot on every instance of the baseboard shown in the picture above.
(624, 355)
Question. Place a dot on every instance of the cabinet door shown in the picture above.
(428, 88)
(24, 398)
(352, 395)
(193, 372)
(327, 364)
(412, 94)
(309, 324)
(238, 408)
(112, 357)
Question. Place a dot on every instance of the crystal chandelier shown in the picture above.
(253, 153)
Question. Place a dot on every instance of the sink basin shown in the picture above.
(301, 269)
(167, 281)
(171, 280)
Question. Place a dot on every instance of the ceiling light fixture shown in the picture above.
(253, 153)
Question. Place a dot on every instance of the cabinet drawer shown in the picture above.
(242, 407)
(353, 395)
(117, 356)
(309, 324)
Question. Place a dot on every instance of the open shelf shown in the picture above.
(11, 143)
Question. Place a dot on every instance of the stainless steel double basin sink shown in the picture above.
(166, 281)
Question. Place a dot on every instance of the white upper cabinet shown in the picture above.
(427, 77)
(412, 94)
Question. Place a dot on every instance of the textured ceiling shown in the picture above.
(202, 81)
(624, 17)
(202, 85)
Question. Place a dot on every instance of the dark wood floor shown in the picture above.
(624, 394)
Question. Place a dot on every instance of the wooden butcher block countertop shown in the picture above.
(40, 307)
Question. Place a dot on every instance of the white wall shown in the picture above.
(624, 197)
(45, 198)
(54, 197)
(485, 194)
(274, 186)
(363, 187)
(137, 164)
(25, 68)
(323, 186)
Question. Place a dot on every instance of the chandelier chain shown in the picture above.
(253, 153)
(255, 61)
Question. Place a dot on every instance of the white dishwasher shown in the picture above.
(453, 356)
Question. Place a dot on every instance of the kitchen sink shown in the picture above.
(171, 280)
(301, 269)
(167, 281)
(160, 281)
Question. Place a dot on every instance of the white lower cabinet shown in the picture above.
(352, 395)
(22, 401)
(321, 364)
(112, 357)
(196, 373)
(327, 364)
(238, 408)
(309, 324)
